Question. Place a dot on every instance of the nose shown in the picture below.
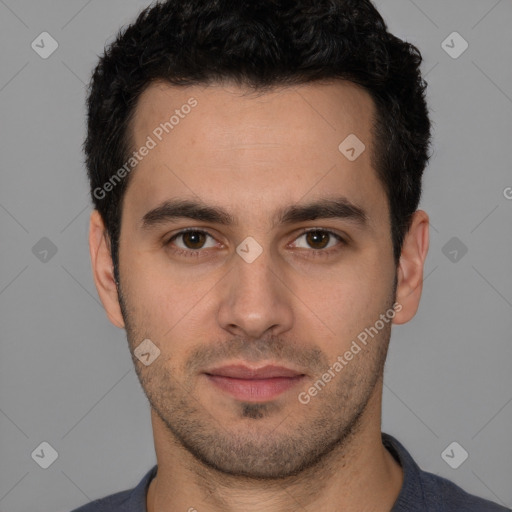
(255, 302)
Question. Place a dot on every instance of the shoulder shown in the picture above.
(113, 503)
(443, 492)
(423, 491)
(131, 500)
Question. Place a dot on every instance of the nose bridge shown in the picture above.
(255, 300)
(255, 278)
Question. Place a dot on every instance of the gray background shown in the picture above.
(66, 376)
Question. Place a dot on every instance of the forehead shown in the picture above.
(223, 144)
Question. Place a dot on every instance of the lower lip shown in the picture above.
(255, 390)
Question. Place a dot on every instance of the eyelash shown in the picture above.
(195, 253)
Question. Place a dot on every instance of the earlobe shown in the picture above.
(102, 269)
(410, 269)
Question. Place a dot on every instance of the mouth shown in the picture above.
(254, 384)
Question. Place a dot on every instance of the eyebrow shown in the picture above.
(327, 208)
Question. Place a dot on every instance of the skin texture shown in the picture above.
(253, 154)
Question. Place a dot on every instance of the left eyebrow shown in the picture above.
(336, 208)
(327, 208)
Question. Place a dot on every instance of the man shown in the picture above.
(256, 170)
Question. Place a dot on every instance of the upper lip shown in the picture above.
(245, 372)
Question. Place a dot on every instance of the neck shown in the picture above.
(358, 475)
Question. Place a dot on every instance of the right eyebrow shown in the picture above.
(174, 209)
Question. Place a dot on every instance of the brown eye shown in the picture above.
(193, 239)
(317, 239)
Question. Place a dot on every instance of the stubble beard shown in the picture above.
(267, 442)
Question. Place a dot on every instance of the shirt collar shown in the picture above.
(410, 493)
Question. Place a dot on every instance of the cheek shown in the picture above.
(165, 304)
(348, 300)
(148, 296)
(328, 308)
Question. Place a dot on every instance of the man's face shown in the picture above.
(299, 304)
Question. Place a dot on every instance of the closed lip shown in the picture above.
(246, 372)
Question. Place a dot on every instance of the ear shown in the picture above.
(410, 268)
(103, 269)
